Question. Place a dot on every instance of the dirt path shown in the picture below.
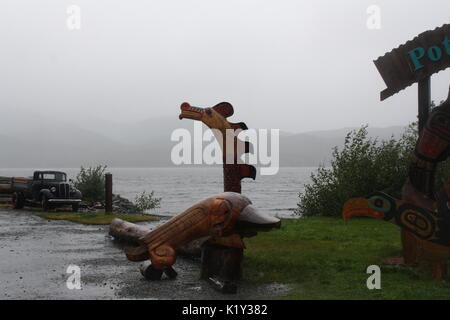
(35, 254)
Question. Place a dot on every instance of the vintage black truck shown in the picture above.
(47, 189)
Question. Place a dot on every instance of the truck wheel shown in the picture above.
(44, 203)
(75, 207)
(18, 201)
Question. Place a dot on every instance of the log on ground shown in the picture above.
(131, 233)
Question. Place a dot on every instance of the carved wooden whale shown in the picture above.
(224, 217)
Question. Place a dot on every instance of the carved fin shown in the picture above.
(137, 254)
(239, 125)
(224, 108)
(247, 171)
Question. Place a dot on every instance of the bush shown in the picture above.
(91, 182)
(363, 166)
(146, 201)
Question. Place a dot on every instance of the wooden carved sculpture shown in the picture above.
(216, 118)
(219, 216)
(221, 260)
(422, 214)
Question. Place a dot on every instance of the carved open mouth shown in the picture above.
(189, 112)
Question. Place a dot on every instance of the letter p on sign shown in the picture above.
(374, 281)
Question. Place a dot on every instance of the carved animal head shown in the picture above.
(231, 211)
(377, 205)
(214, 117)
(224, 211)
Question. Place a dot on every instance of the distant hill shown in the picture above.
(314, 148)
(34, 141)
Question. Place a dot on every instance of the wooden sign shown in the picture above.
(414, 61)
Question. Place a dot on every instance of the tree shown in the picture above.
(91, 182)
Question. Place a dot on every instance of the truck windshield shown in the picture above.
(53, 176)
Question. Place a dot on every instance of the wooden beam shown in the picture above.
(424, 99)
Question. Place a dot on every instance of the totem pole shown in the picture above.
(422, 214)
(221, 220)
(221, 257)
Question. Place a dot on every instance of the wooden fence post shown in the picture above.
(108, 193)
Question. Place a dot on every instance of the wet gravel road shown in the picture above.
(35, 254)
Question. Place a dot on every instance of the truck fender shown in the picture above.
(47, 193)
(77, 194)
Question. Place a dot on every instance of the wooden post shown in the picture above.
(409, 245)
(424, 88)
(221, 267)
(108, 193)
(439, 270)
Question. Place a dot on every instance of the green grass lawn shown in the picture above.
(324, 258)
(94, 218)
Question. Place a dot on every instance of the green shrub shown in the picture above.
(91, 182)
(363, 166)
(145, 201)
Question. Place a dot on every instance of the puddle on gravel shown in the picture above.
(35, 254)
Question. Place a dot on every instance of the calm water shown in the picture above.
(180, 187)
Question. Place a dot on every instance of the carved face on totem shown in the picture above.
(377, 205)
(214, 117)
(230, 210)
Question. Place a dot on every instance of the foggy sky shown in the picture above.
(293, 65)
